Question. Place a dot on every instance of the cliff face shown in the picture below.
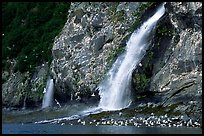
(176, 64)
(96, 33)
(180, 79)
(24, 90)
(90, 41)
(92, 36)
(185, 61)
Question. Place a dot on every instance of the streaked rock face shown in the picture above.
(22, 90)
(180, 79)
(83, 50)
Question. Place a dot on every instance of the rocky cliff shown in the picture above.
(175, 72)
(180, 79)
(95, 34)
(183, 68)
(24, 89)
(90, 41)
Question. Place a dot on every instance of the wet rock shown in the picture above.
(124, 40)
(175, 62)
(82, 51)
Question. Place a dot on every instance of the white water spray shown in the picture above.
(115, 90)
(49, 93)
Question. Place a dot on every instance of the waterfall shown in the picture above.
(115, 89)
(49, 93)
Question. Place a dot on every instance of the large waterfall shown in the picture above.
(115, 90)
(49, 93)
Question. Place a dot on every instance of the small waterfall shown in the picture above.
(49, 93)
(115, 90)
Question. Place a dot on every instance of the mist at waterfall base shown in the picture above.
(114, 90)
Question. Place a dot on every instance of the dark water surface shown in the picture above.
(91, 129)
(23, 122)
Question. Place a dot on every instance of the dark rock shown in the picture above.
(171, 63)
(123, 42)
(97, 20)
(98, 43)
(121, 30)
(79, 14)
(78, 53)
(58, 53)
(77, 38)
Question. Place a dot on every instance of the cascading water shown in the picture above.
(115, 90)
(49, 93)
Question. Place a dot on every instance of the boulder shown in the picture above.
(98, 42)
(97, 20)
(79, 14)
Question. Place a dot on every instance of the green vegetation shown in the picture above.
(138, 14)
(157, 110)
(160, 110)
(118, 16)
(101, 115)
(113, 56)
(163, 30)
(39, 92)
(113, 8)
(141, 80)
(29, 29)
(131, 112)
(149, 58)
(139, 97)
